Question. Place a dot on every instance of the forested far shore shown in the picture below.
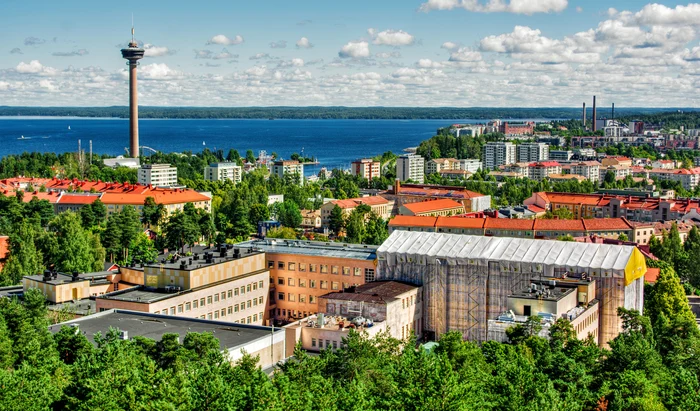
(338, 112)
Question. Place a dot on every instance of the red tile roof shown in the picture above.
(437, 191)
(433, 205)
(558, 225)
(412, 221)
(508, 224)
(458, 222)
(354, 202)
(77, 199)
(604, 224)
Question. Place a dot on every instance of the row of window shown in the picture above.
(230, 310)
(409, 301)
(187, 307)
(292, 313)
(291, 297)
(313, 268)
(328, 343)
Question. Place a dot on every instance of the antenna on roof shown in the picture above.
(132, 28)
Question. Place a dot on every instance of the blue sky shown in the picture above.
(387, 52)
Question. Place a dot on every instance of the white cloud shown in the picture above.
(390, 37)
(498, 6)
(355, 50)
(157, 71)
(304, 43)
(278, 44)
(387, 55)
(465, 54)
(34, 67)
(260, 56)
(225, 41)
(448, 45)
(529, 44)
(257, 71)
(658, 14)
(295, 62)
(156, 51)
(74, 53)
(428, 63)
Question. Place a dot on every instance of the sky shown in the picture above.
(414, 53)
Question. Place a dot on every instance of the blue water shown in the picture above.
(335, 143)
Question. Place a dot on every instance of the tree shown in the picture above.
(288, 214)
(623, 237)
(376, 229)
(667, 296)
(180, 230)
(75, 248)
(24, 258)
(258, 213)
(250, 157)
(152, 213)
(282, 232)
(337, 220)
(142, 248)
(355, 226)
(41, 209)
(99, 210)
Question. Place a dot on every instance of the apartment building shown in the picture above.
(689, 178)
(434, 208)
(620, 171)
(410, 167)
(291, 167)
(158, 175)
(366, 168)
(401, 194)
(223, 172)
(497, 154)
(302, 271)
(532, 152)
(561, 155)
(437, 165)
(543, 169)
(587, 169)
(471, 165)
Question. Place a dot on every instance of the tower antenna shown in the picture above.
(132, 28)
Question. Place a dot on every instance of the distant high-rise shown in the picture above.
(583, 116)
(595, 116)
(133, 53)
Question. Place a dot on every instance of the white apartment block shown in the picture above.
(620, 171)
(497, 154)
(280, 168)
(587, 169)
(366, 168)
(410, 166)
(533, 152)
(223, 172)
(437, 165)
(471, 165)
(688, 178)
(560, 155)
(158, 175)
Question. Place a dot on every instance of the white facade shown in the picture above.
(222, 172)
(280, 168)
(410, 166)
(470, 164)
(498, 154)
(158, 175)
(532, 152)
(588, 169)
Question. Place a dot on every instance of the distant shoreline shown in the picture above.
(325, 113)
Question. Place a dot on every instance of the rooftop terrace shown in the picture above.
(312, 248)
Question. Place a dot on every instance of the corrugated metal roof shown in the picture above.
(457, 249)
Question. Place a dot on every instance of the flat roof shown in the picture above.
(154, 326)
(198, 259)
(313, 248)
(138, 295)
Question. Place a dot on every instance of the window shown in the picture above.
(346, 270)
(260, 284)
(230, 310)
(334, 269)
(324, 285)
(335, 345)
(270, 264)
(164, 312)
(324, 269)
(223, 295)
(201, 302)
(179, 309)
(313, 342)
(280, 265)
(312, 283)
(209, 299)
(312, 268)
(195, 304)
(255, 317)
(209, 316)
(247, 288)
(302, 283)
(527, 310)
(247, 304)
(260, 316)
(312, 299)
(320, 343)
(216, 297)
(302, 298)
(235, 291)
(335, 285)
(280, 296)
(216, 315)
(188, 306)
(260, 300)
(229, 293)
(369, 275)
(255, 302)
(248, 320)
(223, 312)
(280, 280)
(357, 271)
(291, 297)
(242, 289)
(291, 266)
(302, 267)
(290, 281)
(235, 308)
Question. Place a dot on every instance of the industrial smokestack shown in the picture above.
(583, 116)
(595, 117)
(613, 111)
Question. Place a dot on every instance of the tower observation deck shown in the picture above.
(133, 53)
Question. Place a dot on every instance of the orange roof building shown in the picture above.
(441, 207)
